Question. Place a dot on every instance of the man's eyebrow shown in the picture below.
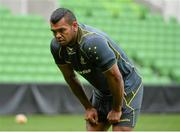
(57, 29)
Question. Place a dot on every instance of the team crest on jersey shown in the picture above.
(70, 51)
(82, 61)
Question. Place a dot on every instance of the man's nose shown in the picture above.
(58, 35)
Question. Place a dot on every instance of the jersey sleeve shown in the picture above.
(100, 53)
(56, 52)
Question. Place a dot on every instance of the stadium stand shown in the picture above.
(152, 43)
(146, 37)
(24, 52)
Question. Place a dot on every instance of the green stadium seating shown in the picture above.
(152, 43)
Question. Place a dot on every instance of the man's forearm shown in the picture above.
(77, 89)
(117, 90)
(116, 86)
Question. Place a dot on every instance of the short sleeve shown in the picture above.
(56, 52)
(100, 53)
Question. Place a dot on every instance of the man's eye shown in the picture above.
(58, 31)
(61, 30)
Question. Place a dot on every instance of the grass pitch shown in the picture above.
(146, 122)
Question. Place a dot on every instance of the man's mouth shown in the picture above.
(60, 41)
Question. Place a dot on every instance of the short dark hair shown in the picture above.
(59, 13)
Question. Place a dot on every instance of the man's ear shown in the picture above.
(75, 25)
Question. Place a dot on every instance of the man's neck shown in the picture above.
(74, 41)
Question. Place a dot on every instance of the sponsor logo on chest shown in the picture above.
(86, 71)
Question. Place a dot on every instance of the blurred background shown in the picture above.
(30, 82)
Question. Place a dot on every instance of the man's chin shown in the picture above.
(62, 43)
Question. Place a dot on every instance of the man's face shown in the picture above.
(64, 32)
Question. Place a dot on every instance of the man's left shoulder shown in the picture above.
(95, 37)
(93, 40)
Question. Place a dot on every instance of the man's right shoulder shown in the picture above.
(54, 41)
(54, 44)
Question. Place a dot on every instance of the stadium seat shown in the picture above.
(152, 43)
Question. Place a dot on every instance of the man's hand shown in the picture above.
(114, 116)
(91, 116)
